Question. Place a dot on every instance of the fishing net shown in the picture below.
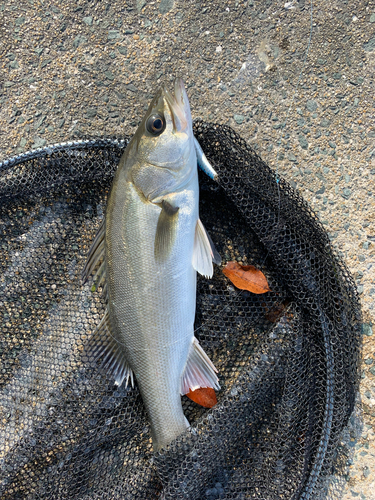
(288, 359)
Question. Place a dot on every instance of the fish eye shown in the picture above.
(155, 124)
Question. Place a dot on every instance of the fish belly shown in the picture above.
(152, 304)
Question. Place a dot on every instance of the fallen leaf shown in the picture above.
(205, 396)
(246, 277)
(277, 310)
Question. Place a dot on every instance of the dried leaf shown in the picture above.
(246, 277)
(275, 313)
(205, 396)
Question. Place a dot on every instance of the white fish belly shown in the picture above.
(152, 305)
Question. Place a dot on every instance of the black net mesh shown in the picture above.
(288, 360)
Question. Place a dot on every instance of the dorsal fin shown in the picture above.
(95, 256)
(103, 346)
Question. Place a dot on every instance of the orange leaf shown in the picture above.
(205, 396)
(246, 277)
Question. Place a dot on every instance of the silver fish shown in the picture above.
(151, 244)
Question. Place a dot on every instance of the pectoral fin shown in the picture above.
(104, 347)
(199, 370)
(165, 231)
(204, 252)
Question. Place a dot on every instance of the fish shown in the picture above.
(146, 256)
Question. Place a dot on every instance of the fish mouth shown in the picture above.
(179, 105)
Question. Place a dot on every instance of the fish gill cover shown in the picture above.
(287, 359)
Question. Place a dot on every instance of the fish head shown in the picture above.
(163, 146)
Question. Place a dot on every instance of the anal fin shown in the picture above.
(103, 346)
(199, 370)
